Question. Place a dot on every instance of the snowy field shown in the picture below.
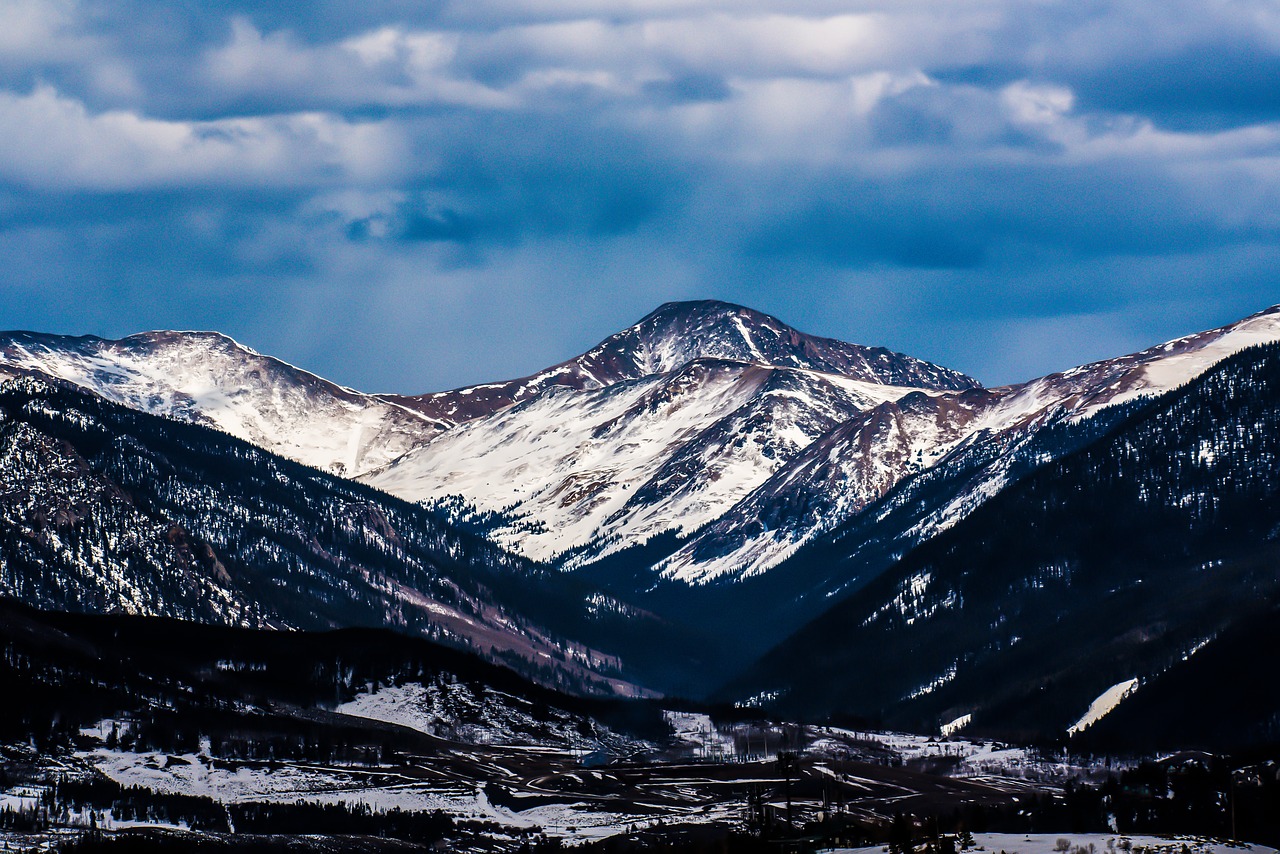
(699, 732)
(975, 757)
(1102, 843)
(540, 779)
(576, 818)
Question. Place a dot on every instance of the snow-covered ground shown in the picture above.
(380, 789)
(971, 757)
(698, 730)
(462, 712)
(1091, 843)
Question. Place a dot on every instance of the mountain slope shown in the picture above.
(1112, 563)
(615, 466)
(207, 378)
(103, 509)
(240, 685)
(987, 435)
(656, 431)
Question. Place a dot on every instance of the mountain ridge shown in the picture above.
(106, 509)
(704, 467)
(1119, 560)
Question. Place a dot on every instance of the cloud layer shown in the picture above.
(408, 196)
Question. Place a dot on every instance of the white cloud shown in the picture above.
(54, 141)
(1037, 105)
(389, 66)
(38, 29)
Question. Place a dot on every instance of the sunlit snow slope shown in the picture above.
(861, 459)
(659, 429)
(207, 378)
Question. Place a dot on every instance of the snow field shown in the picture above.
(1102, 843)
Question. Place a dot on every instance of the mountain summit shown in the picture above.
(208, 378)
(655, 431)
(677, 333)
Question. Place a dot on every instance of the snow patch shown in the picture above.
(1105, 702)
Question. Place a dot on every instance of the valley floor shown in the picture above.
(1088, 843)
(500, 796)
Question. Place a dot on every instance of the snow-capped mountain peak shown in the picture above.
(677, 333)
(862, 459)
(208, 378)
(658, 429)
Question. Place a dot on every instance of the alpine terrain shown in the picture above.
(709, 471)
(715, 584)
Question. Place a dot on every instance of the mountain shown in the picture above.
(715, 472)
(678, 333)
(105, 509)
(656, 431)
(977, 439)
(1076, 587)
(240, 685)
(707, 481)
(207, 378)
(596, 470)
(854, 501)
(886, 478)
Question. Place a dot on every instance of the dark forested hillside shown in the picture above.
(1113, 563)
(104, 509)
(177, 679)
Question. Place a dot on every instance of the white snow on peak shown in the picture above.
(1104, 704)
(853, 465)
(207, 378)
(1177, 362)
(608, 468)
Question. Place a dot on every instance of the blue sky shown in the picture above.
(408, 196)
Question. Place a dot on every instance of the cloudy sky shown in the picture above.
(416, 195)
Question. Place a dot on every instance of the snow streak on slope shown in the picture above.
(1105, 702)
(207, 378)
(831, 479)
(859, 461)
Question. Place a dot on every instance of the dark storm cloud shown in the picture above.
(1206, 86)
(688, 88)
(365, 188)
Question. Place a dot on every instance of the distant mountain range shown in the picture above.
(708, 502)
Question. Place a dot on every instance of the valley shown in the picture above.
(714, 584)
